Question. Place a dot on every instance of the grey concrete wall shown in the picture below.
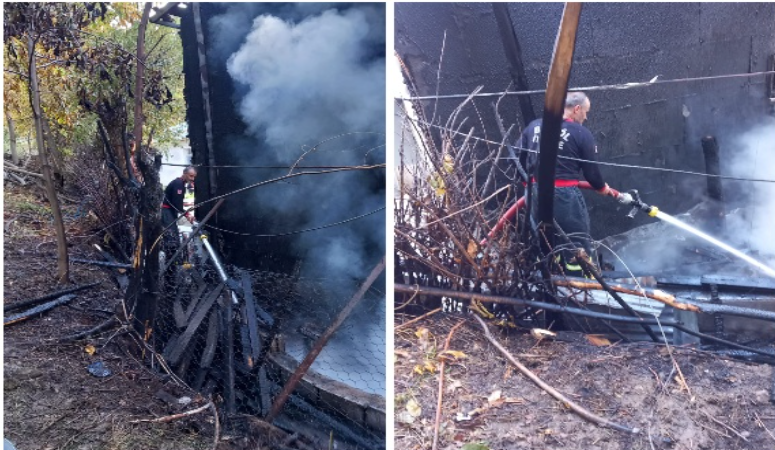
(657, 126)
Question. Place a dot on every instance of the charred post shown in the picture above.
(556, 89)
(712, 167)
(514, 55)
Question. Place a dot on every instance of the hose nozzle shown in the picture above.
(638, 204)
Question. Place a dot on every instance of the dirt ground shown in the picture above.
(488, 404)
(51, 401)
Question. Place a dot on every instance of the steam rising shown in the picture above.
(659, 248)
(754, 157)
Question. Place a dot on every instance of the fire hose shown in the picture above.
(633, 200)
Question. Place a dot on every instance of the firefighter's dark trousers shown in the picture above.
(571, 214)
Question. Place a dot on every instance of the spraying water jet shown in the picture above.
(653, 211)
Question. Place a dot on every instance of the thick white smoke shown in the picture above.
(306, 76)
(754, 157)
(309, 80)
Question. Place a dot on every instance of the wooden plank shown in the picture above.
(193, 325)
(250, 315)
(212, 339)
(171, 343)
(177, 307)
(763, 283)
(263, 388)
(227, 319)
(35, 301)
(194, 301)
(247, 358)
(16, 318)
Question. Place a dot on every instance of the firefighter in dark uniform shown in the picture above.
(570, 209)
(172, 208)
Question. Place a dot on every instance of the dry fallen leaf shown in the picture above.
(427, 366)
(454, 385)
(598, 340)
(472, 248)
(413, 408)
(540, 333)
(451, 355)
(404, 417)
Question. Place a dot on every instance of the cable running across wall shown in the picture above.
(203, 166)
(604, 87)
(602, 163)
(290, 233)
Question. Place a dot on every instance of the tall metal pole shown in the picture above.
(554, 106)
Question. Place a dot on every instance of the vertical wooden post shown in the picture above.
(514, 56)
(712, 167)
(204, 78)
(554, 107)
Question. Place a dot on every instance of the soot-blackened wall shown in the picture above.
(659, 125)
(286, 80)
(227, 126)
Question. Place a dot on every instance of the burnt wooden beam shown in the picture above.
(16, 318)
(715, 219)
(554, 107)
(226, 309)
(712, 167)
(414, 289)
(205, 82)
(193, 325)
(251, 318)
(43, 298)
(514, 55)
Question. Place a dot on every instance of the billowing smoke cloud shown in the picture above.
(311, 81)
(754, 157)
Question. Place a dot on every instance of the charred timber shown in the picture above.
(554, 107)
(654, 294)
(92, 262)
(43, 298)
(712, 167)
(407, 289)
(37, 310)
(514, 55)
(668, 299)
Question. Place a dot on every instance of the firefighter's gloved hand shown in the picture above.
(625, 198)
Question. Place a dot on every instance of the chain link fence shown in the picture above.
(240, 335)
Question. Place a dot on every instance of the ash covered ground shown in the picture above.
(723, 405)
